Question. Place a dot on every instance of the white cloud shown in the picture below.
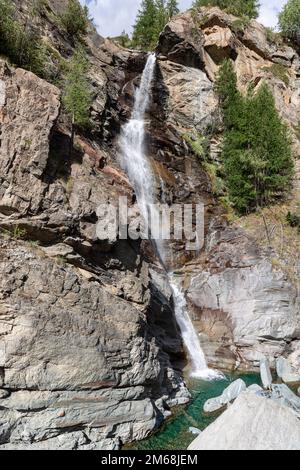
(114, 16)
(269, 12)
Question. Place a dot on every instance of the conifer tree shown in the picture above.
(161, 16)
(289, 20)
(257, 153)
(248, 8)
(172, 8)
(145, 28)
(77, 97)
(75, 19)
(152, 17)
(20, 42)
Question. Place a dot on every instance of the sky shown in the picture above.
(114, 16)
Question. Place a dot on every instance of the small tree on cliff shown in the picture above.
(77, 97)
(226, 86)
(248, 8)
(75, 19)
(289, 20)
(19, 42)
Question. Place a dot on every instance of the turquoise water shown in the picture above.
(174, 434)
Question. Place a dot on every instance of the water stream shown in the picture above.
(139, 170)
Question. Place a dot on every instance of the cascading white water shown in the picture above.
(132, 142)
(140, 173)
(189, 335)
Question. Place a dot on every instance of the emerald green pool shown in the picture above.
(175, 435)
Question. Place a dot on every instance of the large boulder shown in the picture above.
(286, 371)
(265, 374)
(284, 395)
(229, 395)
(251, 423)
(76, 356)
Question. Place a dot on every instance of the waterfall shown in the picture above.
(189, 335)
(132, 142)
(141, 176)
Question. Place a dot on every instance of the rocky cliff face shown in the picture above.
(243, 289)
(90, 353)
(89, 349)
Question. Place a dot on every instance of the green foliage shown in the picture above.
(39, 7)
(273, 36)
(200, 147)
(144, 33)
(279, 71)
(293, 220)
(241, 24)
(297, 130)
(257, 153)
(15, 233)
(217, 181)
(289, 20)
(151, 19)
(172, 8)
(20, 43)
(226, 88)
(77, 97)
(124, 40)
(249, 8)
(197, 144)
(75, 19)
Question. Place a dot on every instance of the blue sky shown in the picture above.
(113, 16)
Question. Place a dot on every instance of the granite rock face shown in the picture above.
(90, 353)
(286, 371)
(228, 396)
(243, 291)
(252, 423)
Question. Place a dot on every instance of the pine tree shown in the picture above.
(145, 28)
(248, 8)
(20, 42)
(161, 16)
(152, 17)
(77, 97)
(257, 153)
(172, 8)
(226, 84)
(289, 20)
(75, 19)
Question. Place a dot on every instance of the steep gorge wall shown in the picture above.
(243, 289)
(90, 354)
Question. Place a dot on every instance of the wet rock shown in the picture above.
(195, 431)
(265, 374)
(187, 87)
(229, 395)
(240, 294)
